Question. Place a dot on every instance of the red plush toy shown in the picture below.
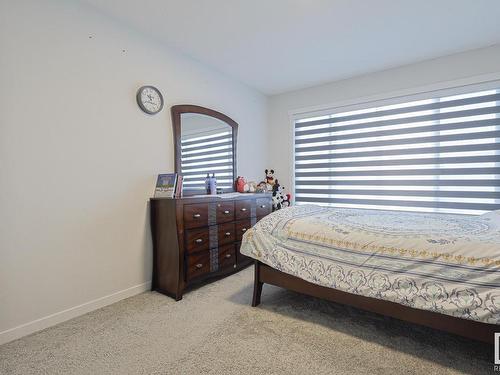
(240, 184)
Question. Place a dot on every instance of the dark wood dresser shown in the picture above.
(198, 238)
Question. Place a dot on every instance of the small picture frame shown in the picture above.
(165, 185)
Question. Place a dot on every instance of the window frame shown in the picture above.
(442, 89)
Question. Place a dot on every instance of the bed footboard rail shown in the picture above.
(463, 327)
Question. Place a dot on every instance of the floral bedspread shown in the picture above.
(439, 262)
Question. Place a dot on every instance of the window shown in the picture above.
(207, 152)
(436, 154)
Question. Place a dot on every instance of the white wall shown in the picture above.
(78, 159)
(428, 75)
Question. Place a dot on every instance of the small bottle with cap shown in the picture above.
(213, 184)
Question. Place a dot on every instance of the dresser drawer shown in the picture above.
(226, 233)
(227, 257)
(242, 209)
(225, 212)
(195, 215)
(241, 227)
(263, 207)
(197, 265)
(197, 239)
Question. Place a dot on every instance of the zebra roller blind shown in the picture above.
(440, 154)
(207, 152)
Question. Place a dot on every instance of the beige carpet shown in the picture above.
(213, 330)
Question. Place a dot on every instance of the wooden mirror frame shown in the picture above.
(178, 110)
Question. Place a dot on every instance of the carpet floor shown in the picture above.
(213, 330)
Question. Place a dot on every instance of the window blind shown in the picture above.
(440, 154)
(203, 153)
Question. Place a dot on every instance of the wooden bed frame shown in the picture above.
(463, 327)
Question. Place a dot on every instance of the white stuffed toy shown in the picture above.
(278, 196)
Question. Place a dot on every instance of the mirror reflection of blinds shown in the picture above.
(202, 154)
(434, 155)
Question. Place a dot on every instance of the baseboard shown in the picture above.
(73, 312)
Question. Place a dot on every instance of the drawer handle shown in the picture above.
(262, 206)
(227, 234)
(228, 256)
(243, 209)
(199, 265)
(198, 240)
(243, 229)
(226, 212)
(196, 216)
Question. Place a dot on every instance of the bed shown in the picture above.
(439, 270)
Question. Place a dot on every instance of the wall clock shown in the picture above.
(149, 99)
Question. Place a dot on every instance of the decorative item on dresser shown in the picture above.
(198, 238)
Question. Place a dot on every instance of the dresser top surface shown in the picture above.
(217, 198)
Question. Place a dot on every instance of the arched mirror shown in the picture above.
(205, 143)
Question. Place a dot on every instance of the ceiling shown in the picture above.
(282, 45)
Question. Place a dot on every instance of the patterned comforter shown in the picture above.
(444, 263)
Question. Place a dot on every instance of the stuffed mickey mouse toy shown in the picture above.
(270, 181)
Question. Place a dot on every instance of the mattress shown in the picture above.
(444, 263)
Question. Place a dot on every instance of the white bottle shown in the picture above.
(213, 184)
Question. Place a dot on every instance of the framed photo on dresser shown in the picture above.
(165, 185)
